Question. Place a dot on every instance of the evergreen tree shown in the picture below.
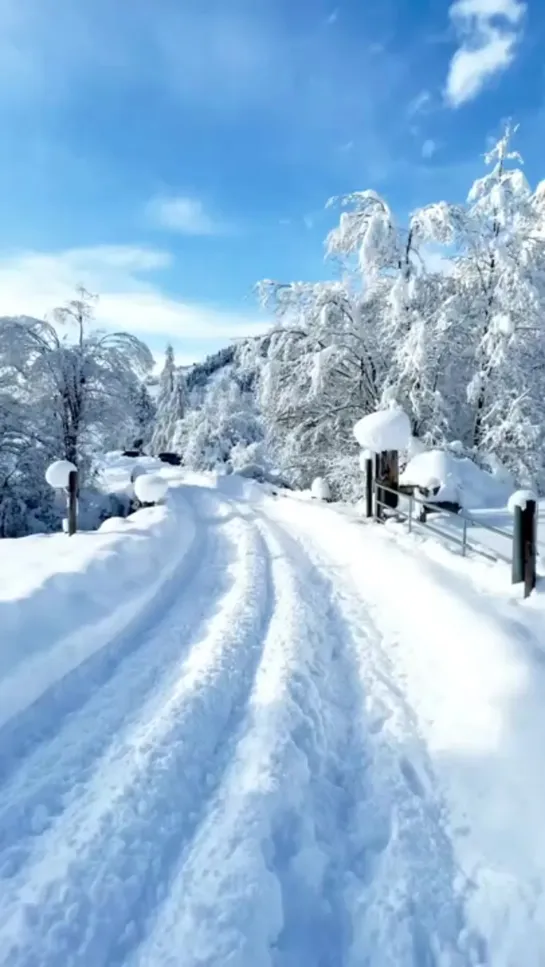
(172, 403)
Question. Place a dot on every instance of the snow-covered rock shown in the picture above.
(320, 489)
(460, 480)
(520, 499)
(384, 430)
(150, 489)
(58, 473)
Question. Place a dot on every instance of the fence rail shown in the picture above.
(462, 519)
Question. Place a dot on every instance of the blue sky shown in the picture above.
(169, 153)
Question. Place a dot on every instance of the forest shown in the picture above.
(443, 314)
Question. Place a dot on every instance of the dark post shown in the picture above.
(379, 494)
(529, 545)
(524, 546)
(517, 569)
(368, 488)
(72, 502)
(391, 477)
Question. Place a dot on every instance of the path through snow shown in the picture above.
(239, 781)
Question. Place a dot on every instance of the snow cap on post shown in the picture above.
(384, 430)
(520, 499)
(150, 489)
(58, 473)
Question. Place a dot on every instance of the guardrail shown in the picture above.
(463, 541)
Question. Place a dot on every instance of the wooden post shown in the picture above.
(529, 546)
(524, 547)
(517, 565)
(369, 488)
(391, 477)
(72, 503)
(379, 497)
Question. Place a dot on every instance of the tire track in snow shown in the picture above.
(299, 843)
(406, 898)
(90, 882)
(53, 745)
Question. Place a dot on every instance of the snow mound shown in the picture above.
(320, 489)
(150, 489)
(384, 430)
(460, 480)
(520, 499)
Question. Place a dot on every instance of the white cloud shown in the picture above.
(183, 214)
(333, 16)
(35, 283)
(489, 31)
(429, 148)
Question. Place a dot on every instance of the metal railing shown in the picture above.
(428, 506)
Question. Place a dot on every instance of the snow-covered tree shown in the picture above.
(172, 402)
(64, 392)
(461, 346)
(143, 417)
(216, 434)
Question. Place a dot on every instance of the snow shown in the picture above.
(58, 473)
(320, 489)
(520, 499)
(150, 489)
(384, 430)
(60, 601)
(365, 456)
(462, 482)
(247, 730)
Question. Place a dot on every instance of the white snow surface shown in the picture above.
(461, 480)
(316, 742)
(384, 430)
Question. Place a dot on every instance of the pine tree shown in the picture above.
(171, 404)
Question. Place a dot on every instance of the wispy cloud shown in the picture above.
(489, 31)
(35, 283)
(429, 148)
(185, 215)
(419, 104)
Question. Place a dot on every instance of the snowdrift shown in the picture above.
(61, 599)
(461, 481)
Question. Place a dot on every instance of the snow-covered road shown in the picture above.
(241, 780)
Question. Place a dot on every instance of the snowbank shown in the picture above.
(384, 430)
(461, 481)
(62, 599)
